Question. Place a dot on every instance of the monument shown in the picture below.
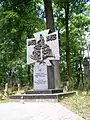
(41, 50)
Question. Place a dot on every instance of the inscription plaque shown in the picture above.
(40, 77)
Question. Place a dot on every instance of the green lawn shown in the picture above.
(80, 104)
(4, 101)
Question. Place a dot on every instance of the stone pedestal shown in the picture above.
(43, 77)
(40, 77)
(51, 80)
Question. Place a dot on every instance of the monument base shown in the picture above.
(43, 77)
(49, 91)
(51, 79)
(40, 77)
(54, 97)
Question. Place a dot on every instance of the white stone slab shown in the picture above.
(43, 47)
(40, 77)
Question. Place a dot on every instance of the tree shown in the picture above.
(18, 20)
(75, 8)
(50, 25)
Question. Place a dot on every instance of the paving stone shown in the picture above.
(36, 111)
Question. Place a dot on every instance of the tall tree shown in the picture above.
(50, 25)
(65, 19)
(18, 20)
(67, 40)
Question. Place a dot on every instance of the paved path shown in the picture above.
(36, 111)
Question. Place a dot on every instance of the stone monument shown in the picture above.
(40, 51)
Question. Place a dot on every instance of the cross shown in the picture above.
(43, 47)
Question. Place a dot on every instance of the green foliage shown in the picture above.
(18, 20)
(4, 101)
(78, 24)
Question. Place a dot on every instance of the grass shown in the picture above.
(80, 104)
(4, 100)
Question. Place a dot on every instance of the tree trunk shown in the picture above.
(49, 14)
(67, 41)
(50, 25)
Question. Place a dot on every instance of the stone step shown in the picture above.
(50, 91)
(39, 97)
(34, 97)
(38, 92)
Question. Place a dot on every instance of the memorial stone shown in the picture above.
(40, 77)
(40, 51)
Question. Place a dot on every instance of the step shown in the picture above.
(38, 92)
(50, 91)
(34, 97)
(54, 97)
